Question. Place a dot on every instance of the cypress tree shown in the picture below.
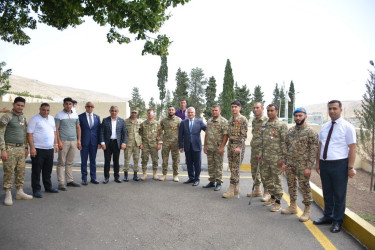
(227, 96)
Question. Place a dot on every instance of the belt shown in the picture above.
(334, 160)
(113, 139)
(14, 144)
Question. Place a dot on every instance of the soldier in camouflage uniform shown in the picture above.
(237, 133)
(256, 143)
(214, 142)
(302, 147)
(169, 130)
(273, 152)
(14, 150)
(133, 144)
(150, 132)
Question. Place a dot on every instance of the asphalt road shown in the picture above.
(156, 215)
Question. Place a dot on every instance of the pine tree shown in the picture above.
(152, 104)
(243, 95)
(276, 96)
(196, 90)
(162, 79)
(210, 97)
(228, 91)
(4, 78)
(138, 102)
(182, 85)
(282, 102)
(292, 97)
(257, 96)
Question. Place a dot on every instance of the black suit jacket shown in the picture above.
(185, 138)
(106, 131)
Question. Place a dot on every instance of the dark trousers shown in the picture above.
(42, 162)
(88, 150)
(334, 176)
(112, 148)
(193, 162)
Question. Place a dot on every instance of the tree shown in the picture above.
(162, 79)
(257, 96)
(276, 95)
(210, 97)
(366, 116)
(282, 102)
(138, 102)
(4, 78)
(243, 95)
(152, 104)
(196, 90)
(228, 91)
(182, 85)
(140, 18)
(292, 97)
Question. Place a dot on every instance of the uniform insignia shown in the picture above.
(4, 121)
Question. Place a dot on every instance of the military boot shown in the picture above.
(126, 178)
(276, 207)
(236, 189)
(135, 177)
(230, 192)
(270, 202)
(8, 198)
(256, 193)
(292, 209)
(22, 196)
(175, 178)
(163, 178)
(266, 195)
(155, 176)
(306, 214)
(144, 176)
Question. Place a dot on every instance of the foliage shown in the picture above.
(4, 78)
(292, 97)
(257, 96)
(140, 18)
(182, 85)
(138, 102)
(196, 90)
(162, 79)
(28, 94)
(210, 97)
(227, 96)
(243, 95)
(279, 99)
(152, 104)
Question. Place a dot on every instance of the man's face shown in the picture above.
(44, 111)
(235, 109)
(133, 115)
(334, 111)
(258, 109)
(18, 107)
(215, 112)
(113, 111)
(182, 105)
(191, 113)
(68, 106)
(150, 115)
(89, 107)
(171, 111)
(300, 118)
(272, 112)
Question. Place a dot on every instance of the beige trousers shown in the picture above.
(65, 162)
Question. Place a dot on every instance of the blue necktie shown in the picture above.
(191, 125)
(90, 121)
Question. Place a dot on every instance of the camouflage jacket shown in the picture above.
(134, 138)
(169, 129)
(237, 130)
(273, 141)
(149, 131)
(4, 120)
(215, 131)
(302, 146)
(257, 126)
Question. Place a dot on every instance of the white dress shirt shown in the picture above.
(343, 134)
(114, 123)
(92, 118)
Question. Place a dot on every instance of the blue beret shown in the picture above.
(299, 110)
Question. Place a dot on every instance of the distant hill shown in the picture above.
(21, 84)
(348, 108)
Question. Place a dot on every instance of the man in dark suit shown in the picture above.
(90, 134)
(189, 139)
(113, 136)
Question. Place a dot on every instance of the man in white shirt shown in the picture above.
(335, 160)
(41, 135)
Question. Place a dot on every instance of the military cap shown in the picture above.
(133, 109)
(299, 110)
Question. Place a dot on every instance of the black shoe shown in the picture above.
(38, 194)
(209, 185)
(336, 227)
(189, 181)
(135, 177)
(218, 187)
(72, 184)
(84, 182)
(106, 180)
(126, 179)
(94, 181)
(196, 183)
(118, 180)
(62, 188)
(323, 220)
(52, 190)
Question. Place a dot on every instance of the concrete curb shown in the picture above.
(355, 225)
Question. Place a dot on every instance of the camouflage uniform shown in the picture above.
(216, 129)
(237, 130)
(256, 144)
(169, 128)
(132, 144)
(13, 140)
(273, 150)
(149, 132)
(302, 146)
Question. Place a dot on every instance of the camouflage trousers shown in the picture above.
(258, 179)
(293, 174)
(129, 151)
(146, 152)
(215, 166)
(272, 178)
(173, 148)
(15, 163)
(234, 161)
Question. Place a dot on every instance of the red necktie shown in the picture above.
(327, 142)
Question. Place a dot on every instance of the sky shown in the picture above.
(324, 47)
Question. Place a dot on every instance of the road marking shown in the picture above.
(315, 231)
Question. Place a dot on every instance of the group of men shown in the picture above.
(274, 149)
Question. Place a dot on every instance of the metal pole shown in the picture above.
(372, 186)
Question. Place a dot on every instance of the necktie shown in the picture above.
(90, 120)
(327, 142)
(191, 125)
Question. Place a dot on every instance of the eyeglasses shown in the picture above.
(134, 112)
(90, 107)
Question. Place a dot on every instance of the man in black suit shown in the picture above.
(189, 139)
(113, 136)
(90, 134)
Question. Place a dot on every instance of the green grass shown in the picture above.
(367, 217)
(349, 205)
